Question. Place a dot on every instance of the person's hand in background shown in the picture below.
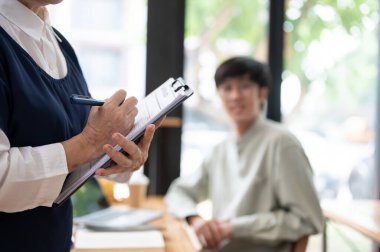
(210, 233)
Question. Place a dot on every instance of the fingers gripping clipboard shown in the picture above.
(151, 108)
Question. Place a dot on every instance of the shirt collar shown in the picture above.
(24, 18)
(251, 130)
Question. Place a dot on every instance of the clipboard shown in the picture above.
(151, 108)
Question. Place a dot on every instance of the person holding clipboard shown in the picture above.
(43, 137)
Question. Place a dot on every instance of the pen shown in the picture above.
(85, 100)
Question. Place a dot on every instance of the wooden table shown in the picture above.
(175, 235)
(360, 215)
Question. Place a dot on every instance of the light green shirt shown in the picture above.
(262, 182)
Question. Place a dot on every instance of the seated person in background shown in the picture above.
(259, 180)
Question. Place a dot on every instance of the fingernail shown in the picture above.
(119, 136)
(107, 148)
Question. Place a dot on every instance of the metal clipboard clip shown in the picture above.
(179, 84)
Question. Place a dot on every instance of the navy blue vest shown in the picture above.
(35, 110)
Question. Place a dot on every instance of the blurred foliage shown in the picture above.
(244, 14)
(239, 19)
(88, 198)
(312, 29)
(355, 73)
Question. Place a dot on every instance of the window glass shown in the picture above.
(98, 14)
(214, 31)
(109, 37)
(328, 91)
(109, 61)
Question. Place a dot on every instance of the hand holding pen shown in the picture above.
(106, 126)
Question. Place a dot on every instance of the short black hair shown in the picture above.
(240, 66)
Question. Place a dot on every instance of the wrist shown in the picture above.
(226, 228)
(78, 151)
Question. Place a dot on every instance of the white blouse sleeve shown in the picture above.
(30, 176)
